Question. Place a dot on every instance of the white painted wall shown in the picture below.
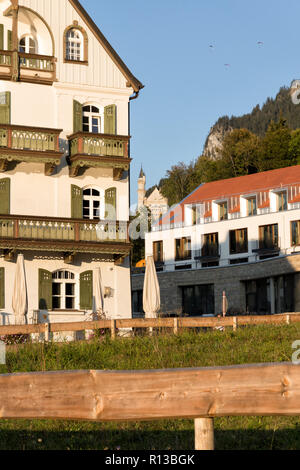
(252, 223)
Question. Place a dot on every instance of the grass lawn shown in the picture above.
(188, 349)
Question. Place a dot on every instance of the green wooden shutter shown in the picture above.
(5, 106)
(5, 196)
(76, 202)
(110, 201)
(9, 40)
(86, 290)
(77, 117)
(1, 37)
(2, 288)
(110, 119)
(45, 290)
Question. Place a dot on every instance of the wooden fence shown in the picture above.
(142, 323)
(200, 394)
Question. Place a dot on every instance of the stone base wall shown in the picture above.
(229, 278)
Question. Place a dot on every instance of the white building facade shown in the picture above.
(239, 235)
(65, 160)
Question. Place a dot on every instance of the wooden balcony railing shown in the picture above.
(31, 144)
(61, 234)
(33, 68)
(98, 150)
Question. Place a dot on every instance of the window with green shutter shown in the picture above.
(2, 288)
(45, 290)
(76, 202)
(5, 107)
(77, 117)
(110, 119)
(1, 37)
(111, 203)
(86, 290)
(5, 196)
(9, 40)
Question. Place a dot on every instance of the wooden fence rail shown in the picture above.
(201, 394)
(172, 323)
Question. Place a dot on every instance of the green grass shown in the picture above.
(188, 349)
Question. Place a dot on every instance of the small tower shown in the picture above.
(141, 188)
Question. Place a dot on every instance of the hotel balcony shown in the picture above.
(99, 150)
(32, 68)
(29, 144)
(67, 236)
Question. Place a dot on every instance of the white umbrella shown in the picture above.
(19, 300)
(98, 309)
(151, 294)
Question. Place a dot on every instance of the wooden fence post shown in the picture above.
(235, 322)
(113, 329)
(204, 434)
(47, 332)
(175, 326)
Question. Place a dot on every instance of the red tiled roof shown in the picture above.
(240, 185)
(245, 184)
(234, 210)
(264, 204)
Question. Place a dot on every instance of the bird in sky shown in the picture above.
(260, 43)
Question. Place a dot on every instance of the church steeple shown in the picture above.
(141, 188)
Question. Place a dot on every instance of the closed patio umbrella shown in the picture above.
(151, 293)
(19, 300)
(99, 294)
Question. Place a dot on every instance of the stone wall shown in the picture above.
(229, 278)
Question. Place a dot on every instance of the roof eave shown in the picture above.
(132, 80)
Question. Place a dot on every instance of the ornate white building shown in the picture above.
(64, 158)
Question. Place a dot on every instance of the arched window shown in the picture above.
(92, 119)
(74, 45)
(92, 204)
(64, 291)
(28, 45)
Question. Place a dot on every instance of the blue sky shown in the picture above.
(165, 43)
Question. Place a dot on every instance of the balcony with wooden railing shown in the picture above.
(89, 150)
(29, 144)
(32, 68)
(68, 236)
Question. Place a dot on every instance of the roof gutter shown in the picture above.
(136, 95)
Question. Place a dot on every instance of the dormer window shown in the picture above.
(28, 45)
(223, 211)
(282, 201)
(252, 206)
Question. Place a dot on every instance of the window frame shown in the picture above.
(27, 46)
(263, 242)
(210, 240)
(241, 243)
(84, 50)
(158, 251)
(92, 199)
(63, 281)
(223, 210)
(253, 211)
(183, 249)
